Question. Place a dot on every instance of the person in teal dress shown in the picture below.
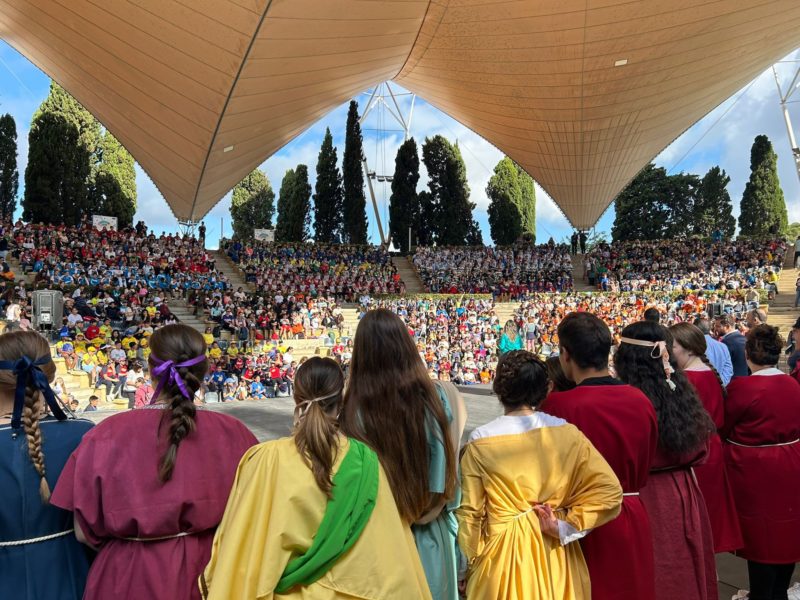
(511, 339)
(415, 427)
(40, 558)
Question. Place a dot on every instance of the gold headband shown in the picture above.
(659, 351)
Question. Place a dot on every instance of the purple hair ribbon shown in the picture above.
(167, 373)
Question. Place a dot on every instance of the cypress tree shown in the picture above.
(252, 205)
(57, 172)
(9, 176)
(403, 203)
(527, 204)
(447, 182)
(425, 219)
(300, 205)
(63, 158)
(763, 208)
(714, 209)
(505, 197)
(354, 206)
(282, 228)
(114, 189)
(327, 194)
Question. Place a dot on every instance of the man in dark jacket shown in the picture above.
(734, 340)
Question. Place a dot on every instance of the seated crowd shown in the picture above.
(307, 269)
(506, 273)
(691, 264)
(132, 259)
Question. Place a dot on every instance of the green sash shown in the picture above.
(355, 489)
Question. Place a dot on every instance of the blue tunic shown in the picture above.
(437, 541)
(55, 569)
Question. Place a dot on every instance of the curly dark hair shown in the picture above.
(763, 346)
(521, 380)
(561, 383)
(683, 423)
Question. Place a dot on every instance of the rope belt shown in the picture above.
(158, 539)
(35, 540)
(763, 445)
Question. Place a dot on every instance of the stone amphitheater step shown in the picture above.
(234, 274)
(577, 275)
(782, 313)
(16, 268)
(77, 384)
(408, 274)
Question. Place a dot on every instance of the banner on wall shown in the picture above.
(104, 222)
(264, 235)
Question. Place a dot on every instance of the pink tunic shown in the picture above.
(111, 483)
(762, 426)
(712, 476)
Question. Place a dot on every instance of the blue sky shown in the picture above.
(723, 137)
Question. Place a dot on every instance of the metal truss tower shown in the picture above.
(383, 106)
(785, 96)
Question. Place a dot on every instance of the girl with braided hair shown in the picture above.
(689, 349)
(35, 534)
(533, 485)
(148, 487)
(325, 492)
(682, 540)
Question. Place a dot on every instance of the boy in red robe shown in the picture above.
(621, 423)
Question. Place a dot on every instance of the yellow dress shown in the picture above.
(273, 512)
(545, 461)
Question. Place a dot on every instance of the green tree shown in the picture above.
(9, 176)
(512, 207)
(294, 206)
(642, 211)
(793, 231)
(354, 205)
(57, 172)
(763, 208)
(714, 209)
(403, 203)
(681, 192)
(252, 205)
(63, 158)
(327, 194)
(527, 205)
(113, 191)
(447, 182)
(425, 219)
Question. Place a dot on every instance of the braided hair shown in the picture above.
(13, 346)
(178, 343)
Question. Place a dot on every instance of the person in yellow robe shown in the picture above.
(312, 516)
(532, 485)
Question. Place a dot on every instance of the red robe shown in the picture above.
(621, 423)
(111, 484)
(682, 539)
(712, 476)
(761, 412)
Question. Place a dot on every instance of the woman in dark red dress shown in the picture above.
(682, 540)
(149, 487)
(689, 349)
(762, 453)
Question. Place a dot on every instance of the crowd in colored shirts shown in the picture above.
(345, 272)
(691, 264)
(506, 273)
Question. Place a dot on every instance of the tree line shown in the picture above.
(75, 167)
(655, 205)
(442, 214)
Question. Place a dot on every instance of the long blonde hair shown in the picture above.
(13, 346)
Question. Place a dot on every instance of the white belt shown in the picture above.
(630, 494)
(158, 539)
(43, 538)
(763, 445)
